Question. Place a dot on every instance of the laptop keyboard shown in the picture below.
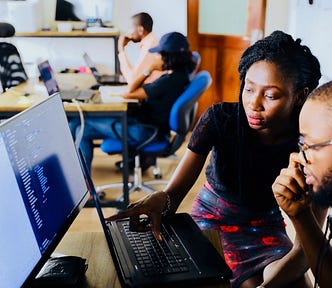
(156, 257)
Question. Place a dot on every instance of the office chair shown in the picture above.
(182, 116)
(12, 71)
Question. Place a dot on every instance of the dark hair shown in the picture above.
(145, 20)
(293, 59)
(323, 94)
(180, 61)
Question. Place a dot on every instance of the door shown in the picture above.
(222, 43)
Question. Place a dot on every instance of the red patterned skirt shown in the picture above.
(250, 240)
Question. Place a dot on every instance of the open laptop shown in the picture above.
(48, 77)
(185, 257)
(42, 189)
(115, 79)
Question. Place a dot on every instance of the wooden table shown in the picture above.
(101, 272)
(21, 97)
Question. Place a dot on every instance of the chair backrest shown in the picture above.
(181, 113)
(12, 71)
(184, 109)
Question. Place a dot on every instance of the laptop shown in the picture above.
(42, 189)
(48, 77)
(185, 258)
(115, 79)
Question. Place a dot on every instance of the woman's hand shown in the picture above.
(290, 189)
(152, 206)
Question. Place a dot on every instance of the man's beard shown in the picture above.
(323, 196)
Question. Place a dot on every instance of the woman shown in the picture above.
(250, 142)
(174, 57)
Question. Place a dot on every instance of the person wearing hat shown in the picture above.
(172, 56)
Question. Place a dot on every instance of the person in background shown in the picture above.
(250, 141)
(308, 179)
(141, 32)
(173, 56)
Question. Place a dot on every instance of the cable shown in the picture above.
(80, 133)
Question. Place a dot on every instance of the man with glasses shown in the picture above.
(307, 183)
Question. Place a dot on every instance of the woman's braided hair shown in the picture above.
(295, 61)
(297, 64)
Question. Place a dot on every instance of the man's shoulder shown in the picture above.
(149, 41)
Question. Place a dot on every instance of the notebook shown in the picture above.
(48, 77)
(184, 258)
(115, 79)
(42, 189)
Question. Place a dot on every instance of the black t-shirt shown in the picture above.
(218, 130)
(162, 93)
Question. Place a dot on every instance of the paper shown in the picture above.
(109, 94)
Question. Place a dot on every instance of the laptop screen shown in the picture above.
(48, 77)
(91, 65)
(42, 189)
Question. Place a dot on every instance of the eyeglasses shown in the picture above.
(304, 147)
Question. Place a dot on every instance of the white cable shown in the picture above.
(80, 133)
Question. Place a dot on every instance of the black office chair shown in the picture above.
(182, 116)
(12, 71)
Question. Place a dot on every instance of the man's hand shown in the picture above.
(290, 189)
(123, 42)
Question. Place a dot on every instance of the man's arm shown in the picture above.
(290, 191)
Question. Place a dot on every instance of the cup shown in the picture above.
(65, 26)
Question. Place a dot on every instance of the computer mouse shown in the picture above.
(95, 87)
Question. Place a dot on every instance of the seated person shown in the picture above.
(156, 98)
(308, 179)
(141, 32)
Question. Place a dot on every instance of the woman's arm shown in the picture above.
(184, 177)
(154, 204)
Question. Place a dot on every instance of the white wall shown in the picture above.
(311, 23)
(168, 16)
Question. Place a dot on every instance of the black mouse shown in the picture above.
(95, 87)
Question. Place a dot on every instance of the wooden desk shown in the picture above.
(82, 34)
(101, 271)
(14, 101)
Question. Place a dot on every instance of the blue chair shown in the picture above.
(181, 120)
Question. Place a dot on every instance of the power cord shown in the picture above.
(80, 133)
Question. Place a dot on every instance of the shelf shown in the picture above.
(74, 33)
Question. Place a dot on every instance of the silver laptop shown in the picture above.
(48, 77)
(115, 79)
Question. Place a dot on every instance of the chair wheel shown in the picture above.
(101, 195)
(158, 176)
